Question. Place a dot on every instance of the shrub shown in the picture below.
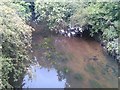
(56, 14)
(16, 41)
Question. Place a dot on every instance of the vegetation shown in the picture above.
(53, 13)
(102, 16)
(104, 20)
(15, 43)
(16, 37)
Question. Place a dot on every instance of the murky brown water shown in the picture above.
(89, 60)
(86, 65)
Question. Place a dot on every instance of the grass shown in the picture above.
(94, 84)
(78, 76)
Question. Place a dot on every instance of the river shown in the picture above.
(61, 62)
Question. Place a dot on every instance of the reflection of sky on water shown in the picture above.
(43, 78)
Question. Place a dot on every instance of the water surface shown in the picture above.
(43, 78)
(74, 63)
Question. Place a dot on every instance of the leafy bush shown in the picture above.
(6, 68)
(104, 18)
(21, 7)
(56, 14)
(16, 41)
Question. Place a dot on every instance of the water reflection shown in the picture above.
(87, 65)
(43, 78)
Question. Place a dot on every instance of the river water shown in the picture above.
(61, 62)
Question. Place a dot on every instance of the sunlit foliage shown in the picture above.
(16, 41)
(54, 12)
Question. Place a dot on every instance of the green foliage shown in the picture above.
(21, 7)
(1, 85)
(104, 17)
(101, 15)
(55, 13)
(16, 41)
(80, 14)
(6, 68)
